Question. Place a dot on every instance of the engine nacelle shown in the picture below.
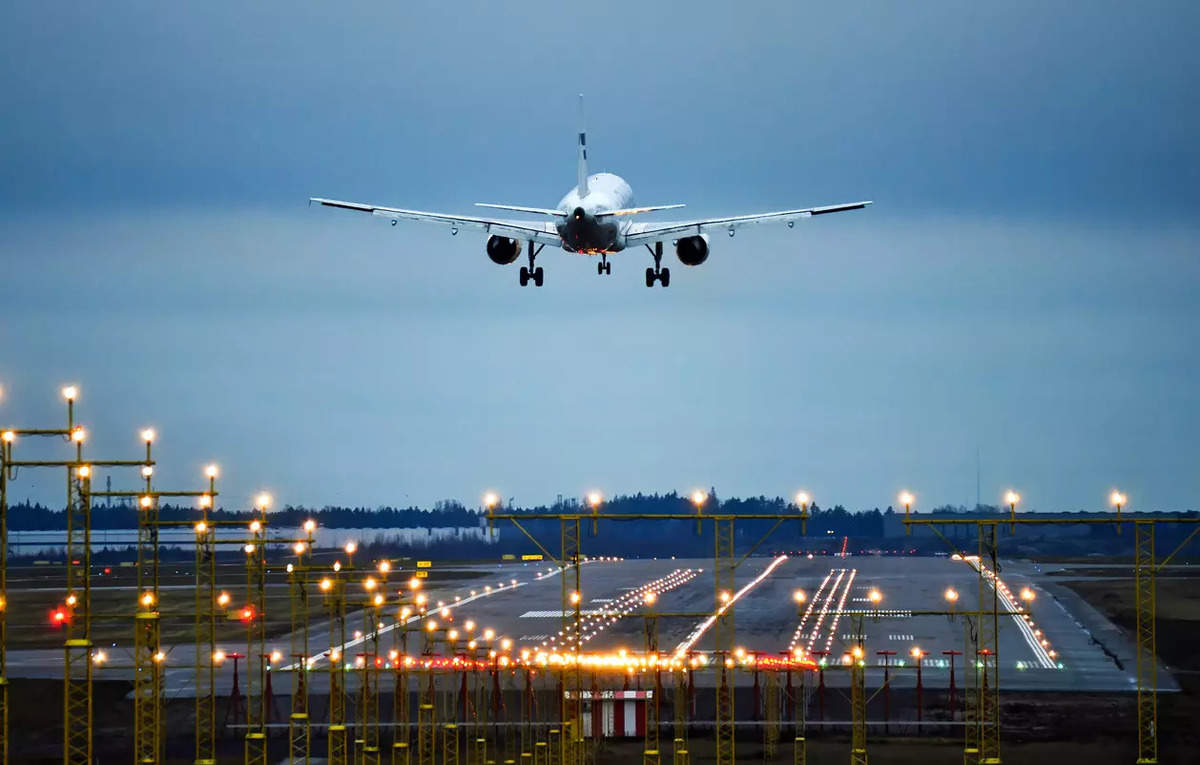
(692, 250)
(503, 250)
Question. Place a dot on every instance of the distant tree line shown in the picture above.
(866, 530)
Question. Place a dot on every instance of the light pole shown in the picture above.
(1011, 498)
(876, 597)
(906, 498)
(918, 656)
(803, 499)
(1118, 501)
(951, 596)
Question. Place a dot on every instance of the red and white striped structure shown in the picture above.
(615, 714)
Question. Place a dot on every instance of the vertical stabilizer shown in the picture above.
(582, 184)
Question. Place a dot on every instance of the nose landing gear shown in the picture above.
(531, 273)
(658, 273)
(604, 267)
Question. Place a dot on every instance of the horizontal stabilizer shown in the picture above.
(519, 208)
(637, 210)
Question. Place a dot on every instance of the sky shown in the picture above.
(1023, 289)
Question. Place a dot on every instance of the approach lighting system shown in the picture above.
(951, 594)
(211, 471)
(262, 501)
(78, 435)
(1027, 595)
(594, 498)
(148, 435)
(799, 596)
(491, 499)
(70, 392)
(83, 471)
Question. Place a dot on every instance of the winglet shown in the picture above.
(582, 183)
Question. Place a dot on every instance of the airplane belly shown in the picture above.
(589, 236)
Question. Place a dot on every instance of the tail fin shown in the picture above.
(582, 185)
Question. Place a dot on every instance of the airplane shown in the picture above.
(594, 218)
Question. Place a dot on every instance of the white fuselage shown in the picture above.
(586, 229)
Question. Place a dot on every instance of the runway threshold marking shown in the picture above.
(697, 633)
(415, 618)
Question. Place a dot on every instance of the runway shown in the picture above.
(521, 603)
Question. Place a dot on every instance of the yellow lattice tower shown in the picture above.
(400, 713)
(77, 675)
(572, 596)
(527, 715)
(299, 732)
(988, 658)
(771, 709)
(450, 744)
(147, 651)
(680, 711)
(427, 722)
(77, 672)
(858, 697)
(1147, 664)
(205, 616)
(6, 440)
(723, 637)
(375, 587)
(650, 750)
(254, 616)
(970, 693)
(800, 710)
(334, 588)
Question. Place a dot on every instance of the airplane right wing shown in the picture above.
(542, 233)
(639, 233)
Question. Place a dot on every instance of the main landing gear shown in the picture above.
(536, 274)
(657, 274)
(604, 267)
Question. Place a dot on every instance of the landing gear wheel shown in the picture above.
(607, 269)
(650, 277)
(524, 276)
(537, 276)
(600, 269)
(664, 277)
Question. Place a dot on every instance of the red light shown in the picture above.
(247, 613)
(59, 616)
(107, 570)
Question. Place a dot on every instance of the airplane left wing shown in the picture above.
(639, 233)
(542, 233)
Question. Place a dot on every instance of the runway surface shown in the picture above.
(767, 618)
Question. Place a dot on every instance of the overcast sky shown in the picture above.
(1026, 284)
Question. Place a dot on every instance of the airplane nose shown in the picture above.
(578, 214)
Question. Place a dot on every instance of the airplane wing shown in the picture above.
(639, 233)
(542, 233)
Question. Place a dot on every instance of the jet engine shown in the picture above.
(503, 250)
(692, 250)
